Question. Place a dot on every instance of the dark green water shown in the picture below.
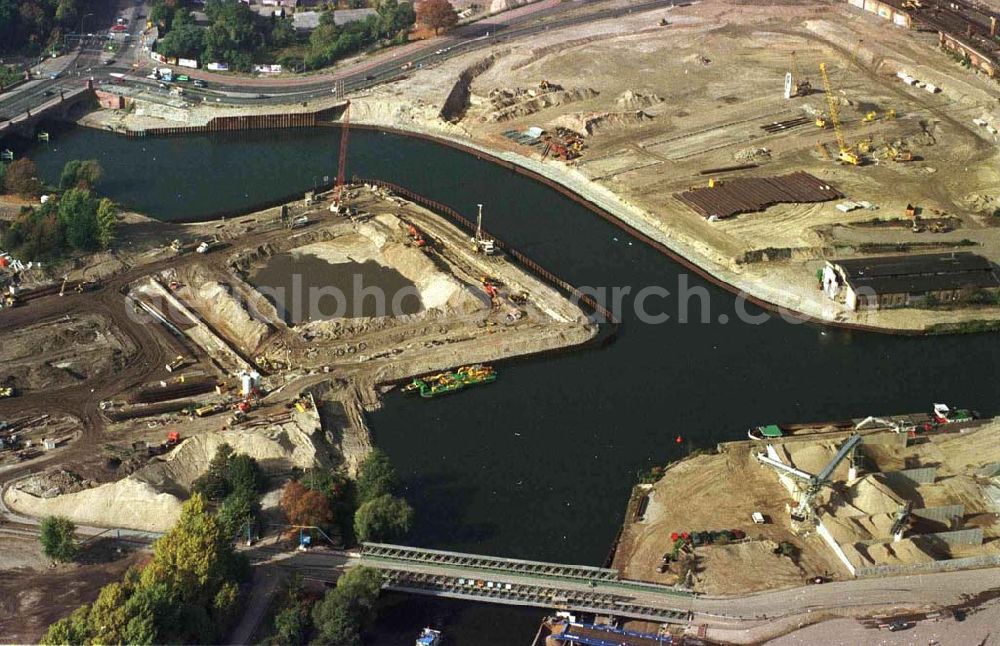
(540, 463)
(304, 287)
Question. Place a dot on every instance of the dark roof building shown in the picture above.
(900, 281)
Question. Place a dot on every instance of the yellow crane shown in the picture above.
(846, 155)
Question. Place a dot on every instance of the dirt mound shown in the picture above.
(752, 154)
(150, 499)
(510, 103)
(629, 100)
(588, 123)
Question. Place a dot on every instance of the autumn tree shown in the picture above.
(22, 178)
(304, 506)
(437, 14)
(57, 535)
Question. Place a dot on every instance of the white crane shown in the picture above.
(813, 484)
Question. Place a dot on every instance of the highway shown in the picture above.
(383, 67)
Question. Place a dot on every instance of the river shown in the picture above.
(539, 464)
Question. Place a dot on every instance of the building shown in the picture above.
(893, 14)
(978, 59)
(903, 281)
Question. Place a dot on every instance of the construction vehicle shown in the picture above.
(483, 244)
(208, 245)
(898, 155)
(6, 392)
(846, 155)
(176, 363)
(821, 121)
(209, 409)
(870, 117)
(796, 86)
(338, 188)
(415, 235)
(452, 381)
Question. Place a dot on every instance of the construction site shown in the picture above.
(756, 141)
(158, 366)
(902, 495)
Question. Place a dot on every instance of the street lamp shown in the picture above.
(82, 19)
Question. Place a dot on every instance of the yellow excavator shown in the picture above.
(846, 154)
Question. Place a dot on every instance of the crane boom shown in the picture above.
(338, 189)
(846, 154)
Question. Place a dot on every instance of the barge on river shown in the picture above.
(942, 418)
(452, 381)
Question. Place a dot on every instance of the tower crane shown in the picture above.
(846, 155)
(338, 189)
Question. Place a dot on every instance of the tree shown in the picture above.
(80, 174)
(239, 508)
(78, 214)
(376, 477)
(293, 621)
(347, 609)
(385, 518)
(71, 630)
(107, 223)
(57, 538)
(22, 178)
(305, 507)
(214, 483)
(184, 40)
(243, 474)
(437, 14)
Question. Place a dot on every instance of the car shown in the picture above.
(55, 75)
(896, 626)
(184, 78)
(200, 83)
(369, 77)
(110, 61)
(48, 92)
(819, 579)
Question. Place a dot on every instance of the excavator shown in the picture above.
(846, 153)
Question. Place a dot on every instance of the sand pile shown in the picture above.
(590, 122)
(150, 499)
(227, 314)
(510, 104)
(629, 100)
(869, 495)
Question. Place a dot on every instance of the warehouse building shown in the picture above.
(902, 281)
(895, 15)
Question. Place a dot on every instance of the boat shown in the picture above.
(912, 423)
(429, 637)
(451, 381)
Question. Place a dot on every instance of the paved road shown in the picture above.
(368, 72)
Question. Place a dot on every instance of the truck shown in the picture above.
(207, 246)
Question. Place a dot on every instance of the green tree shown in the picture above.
(109, 614)
(71, 630)
(376, 477)
(244, 474)
(214, 483)
(239, 508)
(184, 40)
(80, 174)
(78, 214)
(385, 518)
(293, 621)
(57, 537)
(107, 223)
(346, 610)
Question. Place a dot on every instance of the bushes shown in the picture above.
(348, 609)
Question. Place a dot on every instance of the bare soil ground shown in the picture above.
(657, 105)
(62, 351)
(33, 595)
